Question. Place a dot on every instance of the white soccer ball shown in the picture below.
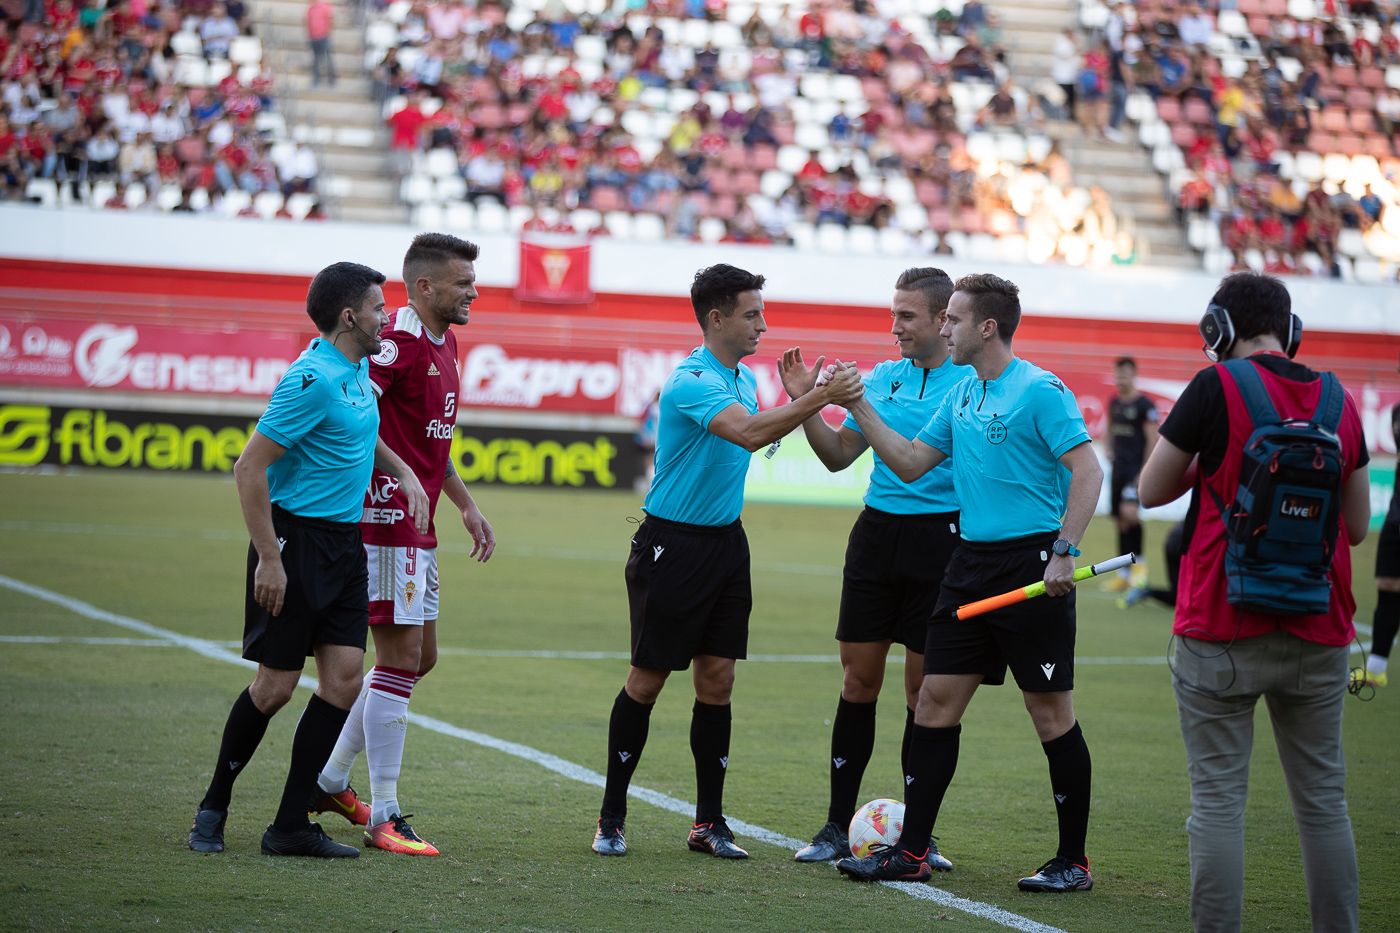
(878, 822)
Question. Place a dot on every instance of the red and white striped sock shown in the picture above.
(386, 722)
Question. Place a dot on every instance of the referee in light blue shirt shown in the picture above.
(688, 571)
(898, 548)
(1027, 480)
(300, 482)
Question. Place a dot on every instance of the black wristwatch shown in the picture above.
(1061, 547)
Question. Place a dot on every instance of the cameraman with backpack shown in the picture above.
(1275, 460)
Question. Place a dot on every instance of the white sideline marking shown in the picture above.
(215, 651)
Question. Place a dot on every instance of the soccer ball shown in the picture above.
(878, 822)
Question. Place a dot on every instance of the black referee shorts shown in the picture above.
(327, 601)
(689, 592)
(1122, 486)
(894, 567)
(1034, 638)
(1388, 550)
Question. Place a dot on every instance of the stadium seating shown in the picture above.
(150, 111)
(1280, 145)
(747, 122)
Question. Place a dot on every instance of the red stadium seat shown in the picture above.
(1169, 109)
(1198, 112)
(1358, 98)
(765, 158)
(746, 183)
(1362, 121)
(1373, 78)
(606, 198)
(1333, 120)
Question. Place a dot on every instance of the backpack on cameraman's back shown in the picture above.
(1281, 529)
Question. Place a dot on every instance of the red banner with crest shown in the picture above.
(554, 268)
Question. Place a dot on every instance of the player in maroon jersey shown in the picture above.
(415, 376)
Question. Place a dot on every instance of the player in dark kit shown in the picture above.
(1027, 481)
(1132, 430)
(688, 572)
(300, 480)
(1387, 618)
(898, 548)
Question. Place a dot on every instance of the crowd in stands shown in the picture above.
(154, 104)
(832, 124)
(1277, 121)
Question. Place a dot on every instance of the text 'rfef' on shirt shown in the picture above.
(905, 396)
(700, 476)
(1005, 437)
(324, 413)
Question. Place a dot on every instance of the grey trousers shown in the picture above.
(1303, 685)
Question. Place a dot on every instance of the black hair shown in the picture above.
(432, 250)
(1258, 305)
(339, 286)
(995, 298)
(719, 286)
(934, 284)
(1125, 361)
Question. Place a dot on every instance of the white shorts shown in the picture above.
(403, 584)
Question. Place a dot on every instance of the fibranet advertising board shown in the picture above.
(45, 435)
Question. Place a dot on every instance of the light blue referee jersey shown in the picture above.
(700, 476)
(1005, 437)
(324, 413)
(906, 396)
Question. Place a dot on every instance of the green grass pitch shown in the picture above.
(107, 745)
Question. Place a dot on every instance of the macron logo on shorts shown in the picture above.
(281, 543)
(657, 553)
(1049, 670)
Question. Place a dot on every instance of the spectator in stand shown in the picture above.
(1239, 233)
(298, 169)
(101, 154)
(970, 62)
(1064, 69)
(972, 17)
(406, 132)
(386, 78)
(217, 31)
(117, 202)
(1000, 110)
(1371, 206)
(1120, 83)
(1092, 83)
(1194, 26)
(1388, 116)
(137, 162)
(320, 24)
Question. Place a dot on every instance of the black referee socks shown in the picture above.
(709, 743)
(933, 757)
(1385, 622)
(312, 744)
(627, 734)
(852, 742)
(1070, 774)
(1130, 541)
(242, 733)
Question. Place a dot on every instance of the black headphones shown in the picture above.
(1218, 331)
